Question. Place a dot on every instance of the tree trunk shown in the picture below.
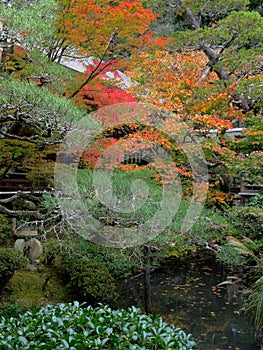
(147, 281)
(148, 290)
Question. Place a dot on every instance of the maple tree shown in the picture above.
(175, 82)
(105, 89)
(211, 79)
(179, 83)
(66, 29)
(102, 29)
(89, 26)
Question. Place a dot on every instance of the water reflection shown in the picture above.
(191, 295)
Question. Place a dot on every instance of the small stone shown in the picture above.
(35, 249)
(20, 245)
(32, 268)
(29, 205)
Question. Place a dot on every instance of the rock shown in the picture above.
(32, 268)
(35, 249)
(20, 245)
(29, 205)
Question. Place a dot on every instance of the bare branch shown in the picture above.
(205, 73)
(98, 69)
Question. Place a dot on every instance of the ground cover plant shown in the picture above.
(72, 326)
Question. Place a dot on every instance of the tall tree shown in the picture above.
(213, 81)
(231, 39)
(103, 30)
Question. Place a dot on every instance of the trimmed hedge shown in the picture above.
(73, 326)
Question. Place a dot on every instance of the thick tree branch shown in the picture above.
(19, 194)
(229, 42)
(212, 55)
(31, 139)
(204, 7)
(195, 22)
(213, 59)
(18, 213)
(5, 172)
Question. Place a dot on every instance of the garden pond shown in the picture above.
(190, 294)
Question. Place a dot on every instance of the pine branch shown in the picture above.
(17, 213)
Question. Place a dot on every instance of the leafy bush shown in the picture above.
(88, 280)
(5, 227)
(12, 309)
(118, 262)
(10, 260)
(74, 327)
(218, 199)
(257, 201)
(247, 221)
(255, 303)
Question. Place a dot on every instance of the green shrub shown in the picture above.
(12, 309)
(5, 227)
(10, 261)
(88, 280)
(254, 304)
(74, 327)
(257, 201)
(248, 221)
(122, 187)
(118, 262)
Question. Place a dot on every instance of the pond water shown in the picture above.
(187, 294)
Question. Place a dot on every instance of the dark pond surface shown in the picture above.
(187, 294)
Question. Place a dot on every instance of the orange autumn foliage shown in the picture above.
(181, 83)
(88, 25)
